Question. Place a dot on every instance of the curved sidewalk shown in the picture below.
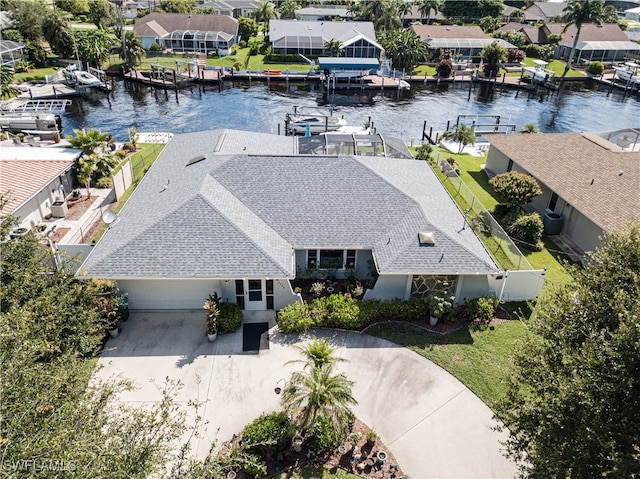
(435, 426)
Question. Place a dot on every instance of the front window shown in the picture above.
(553, 202)
(331, 259)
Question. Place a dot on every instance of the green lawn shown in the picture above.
(479, 356)
(37, 74)
(316, 472)
(423, 70)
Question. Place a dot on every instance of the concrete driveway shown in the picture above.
(434, 425)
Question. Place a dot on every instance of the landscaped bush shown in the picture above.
(294, 318)
(444, 68)
(544, 52)
(595, 68)
(525, 227)
(481, 308)
(515, 55)
(324, 434)
(515, 187)
(230, 317)
(423, 152)
(341, 312)
(269, 435)
(254, 466)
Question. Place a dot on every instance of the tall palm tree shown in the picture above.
(319, 391)
(389, 19)
(461, 134)
(90, 141)
(404, 48)
(403, 8)
(425, 7)
(133, 48)
(577, 13)
(264, 13)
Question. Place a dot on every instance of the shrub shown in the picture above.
(242, 44)
(341, 312)
(120, 154)
(515, 55)
(317, 288)
(230, 317)
(444, 68)
(527, 227)
(423, 152)
(294, 318)
(324, 434)
(254, 466)
(515, 187)
(238, 65)
(481, 308)
(269, 435)
(595, 68)
(154, 47)
(544, 52)
(22, 66)
(104, 182)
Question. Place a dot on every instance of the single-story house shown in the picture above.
(292, 36)
(33, 179)
(604, 43)
(179, 32)
(233, 8)
(217, 213)
(532, 34)
(465, 40)
(11, 52)
(544, 11)
(590, 180)
(632, 14)
(318, 13)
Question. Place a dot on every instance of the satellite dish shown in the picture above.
(109, 217)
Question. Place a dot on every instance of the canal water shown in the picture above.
(262, 107)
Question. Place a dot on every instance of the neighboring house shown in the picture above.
(531, 33)
(32, 179)
(233, 8)
(605, 43)
(11, 52)
(292, 36)
(632, 14)
(463, 41)
(217, 213)
(315, 13)
(591, 180)
(544, 11)
(179, 32)
(418, 18)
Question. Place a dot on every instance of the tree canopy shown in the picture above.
(469, 10)
(573, 404)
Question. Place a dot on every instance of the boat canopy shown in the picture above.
(348, 63)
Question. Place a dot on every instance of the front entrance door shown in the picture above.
(255, 295)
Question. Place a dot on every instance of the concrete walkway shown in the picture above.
(433, 424)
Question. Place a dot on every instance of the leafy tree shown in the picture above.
(404, 48)
(102, 13)
(573, 402)
(13, 35)
(514, 55)
(319, 391)
(334, 47)
(577, 13)
(472, 9)
(444, 68)
(529, 128)
(489, 24)
(134, 48)
(73, 7)
(426, 6)
(247, 28)
(515, 187)
(492, 55)
(264, 13)
(59, 36)
(26, 17)
(288, 9)
(609, 14)
(178, 6)
(461, 134)
(35, 54)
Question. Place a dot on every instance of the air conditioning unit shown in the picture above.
(552, 223)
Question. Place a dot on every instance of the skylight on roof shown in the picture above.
(426, 238)
(196, 159)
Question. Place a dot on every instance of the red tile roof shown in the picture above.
(21, 179)
(582, 168)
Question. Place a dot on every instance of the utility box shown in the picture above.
(552, 223)
(59, 209)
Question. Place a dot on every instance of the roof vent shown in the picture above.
(196, 159)
(426, 238)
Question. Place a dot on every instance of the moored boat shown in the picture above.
(20, 122)
(83, 78)
(628, 72)
(539, 71)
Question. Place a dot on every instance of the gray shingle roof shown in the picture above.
(327, 30)
(155, 24)
(240, 215)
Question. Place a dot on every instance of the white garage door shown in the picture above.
(168, 294)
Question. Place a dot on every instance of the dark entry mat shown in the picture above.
(252, 336)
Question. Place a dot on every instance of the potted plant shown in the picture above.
(213, 311)
(56, 137)
(440, 304)
(371, 437)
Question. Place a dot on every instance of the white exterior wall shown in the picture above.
(473, 286)
(283, 295)
(169, 293)
(390, 286)
(38, 206)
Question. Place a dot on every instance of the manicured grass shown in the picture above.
(256, 62)
(479, 356)
(423, 70)
(316, 472)
(37, 74)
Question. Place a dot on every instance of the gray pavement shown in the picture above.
(435, 426)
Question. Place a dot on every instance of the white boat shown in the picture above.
(539, 72)
(628, 72)
(81, 77)
(348, 74)
(19, 122)
(315, 124)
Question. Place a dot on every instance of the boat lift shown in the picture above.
(22, 105)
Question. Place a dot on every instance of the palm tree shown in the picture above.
(134, 48)
(425, 7)
(403, 8)
(86, 167)
(318, 391)
(288, 9)
(374, 9)
(579, 12)
(334, 47)
(264, 13)
(389, 19)
(404, 48)
(461, 134)
(91, 141)
(318, 353)
(529, 128)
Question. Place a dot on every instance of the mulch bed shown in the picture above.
(58, 234)
(343, 457)
(78, 207)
